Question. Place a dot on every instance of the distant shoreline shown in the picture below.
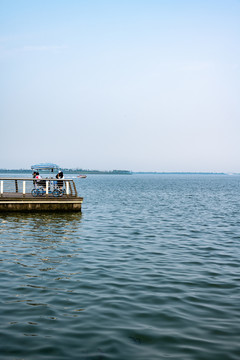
(72, 171)
(185, 173)
(118, 172)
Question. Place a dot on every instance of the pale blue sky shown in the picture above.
(149, 85)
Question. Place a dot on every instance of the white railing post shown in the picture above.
(24, 188)
(67, 187)
(47, 187)
(1, 187)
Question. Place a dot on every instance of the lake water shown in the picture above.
(149, 270)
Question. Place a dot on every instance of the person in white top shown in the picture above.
(36, 176)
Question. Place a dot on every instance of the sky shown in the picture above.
(141, 85)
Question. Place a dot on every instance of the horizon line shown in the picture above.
(132, 172)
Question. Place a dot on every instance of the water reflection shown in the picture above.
(40, 243)
(42, 226)
(44, 216)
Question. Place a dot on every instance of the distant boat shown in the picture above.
(82, 176)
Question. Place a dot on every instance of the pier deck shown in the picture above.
(11, 195)
(26, 202)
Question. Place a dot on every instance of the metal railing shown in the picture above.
(33, 187)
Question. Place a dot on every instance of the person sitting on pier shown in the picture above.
(38, 177)
(40, 182)
(60, 182)
(34, 176)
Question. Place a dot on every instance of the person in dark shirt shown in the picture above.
(60, 182)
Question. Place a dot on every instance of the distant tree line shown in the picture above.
(72, 171)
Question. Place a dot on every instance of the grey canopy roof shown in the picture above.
(45, 166)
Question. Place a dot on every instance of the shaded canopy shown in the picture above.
(45, 166)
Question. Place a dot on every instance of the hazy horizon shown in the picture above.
(132, 84)
(75, 169)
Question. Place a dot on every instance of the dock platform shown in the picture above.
(14, 200)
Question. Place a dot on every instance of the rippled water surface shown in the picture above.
(149, 270)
